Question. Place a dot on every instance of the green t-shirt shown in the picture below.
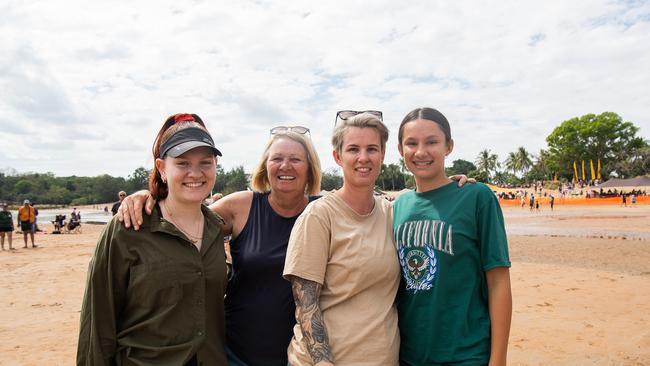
(446, 239)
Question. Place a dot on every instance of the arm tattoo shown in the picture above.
(308, 314)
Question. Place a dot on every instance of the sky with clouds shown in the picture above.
(85, 85)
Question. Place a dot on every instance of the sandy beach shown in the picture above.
(580, 282)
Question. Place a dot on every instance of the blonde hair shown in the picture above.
(260, 180)
(363, 120)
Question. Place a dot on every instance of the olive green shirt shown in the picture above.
(152, 298)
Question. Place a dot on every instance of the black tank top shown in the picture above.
(259, 303)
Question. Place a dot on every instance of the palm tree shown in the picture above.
(486, 162)
(519, 161)
(524, 161)
(511, 163)
(540, 162)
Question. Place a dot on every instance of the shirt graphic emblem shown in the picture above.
(417, 242)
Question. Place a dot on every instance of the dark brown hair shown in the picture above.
(429, 114)
(157, 187)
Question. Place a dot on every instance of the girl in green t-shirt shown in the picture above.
(454, 301)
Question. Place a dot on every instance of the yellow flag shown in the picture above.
(583, 171)
(555, 178)
(593, 173)
(575, 172)
(599, 169)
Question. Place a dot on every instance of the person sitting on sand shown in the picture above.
(75, 215)
(59, 223)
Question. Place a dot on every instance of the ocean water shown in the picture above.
(93, 215)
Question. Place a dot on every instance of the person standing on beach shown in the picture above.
(341, 259)
(35, 226)
(454, 302)
(6, 225)
(116, 205)
(552, 201)
(26, 218)
(155, 296)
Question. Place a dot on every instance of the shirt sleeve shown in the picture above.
(103, 299)
(308, 250)
(492, 232)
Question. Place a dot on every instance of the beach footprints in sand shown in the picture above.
(519, 343)
(46, 305)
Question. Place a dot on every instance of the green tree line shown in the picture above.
(589, 138)
(605, 136)
(48, 189)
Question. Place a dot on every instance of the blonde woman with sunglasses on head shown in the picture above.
(260, 311)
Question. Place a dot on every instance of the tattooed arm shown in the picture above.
(306, 294)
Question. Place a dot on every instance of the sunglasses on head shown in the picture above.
(284, 129)
(344, 115)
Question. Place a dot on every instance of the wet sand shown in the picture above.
(579, 299)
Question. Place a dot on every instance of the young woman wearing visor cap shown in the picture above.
(155, 296)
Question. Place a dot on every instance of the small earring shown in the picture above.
(164, 179)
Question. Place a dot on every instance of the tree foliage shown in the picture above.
(391, 178)
(231, 181)
(48, 189)
(486, 163)
(460, 166)
(519, 161)
(330, 179)
(605, 136)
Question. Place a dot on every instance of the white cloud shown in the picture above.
(100, 78)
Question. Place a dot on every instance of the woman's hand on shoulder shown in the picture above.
(462, 179)
(130, 211)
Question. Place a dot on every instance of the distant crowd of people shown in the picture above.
(27, 222)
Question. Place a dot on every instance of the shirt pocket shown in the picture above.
(155, 283)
